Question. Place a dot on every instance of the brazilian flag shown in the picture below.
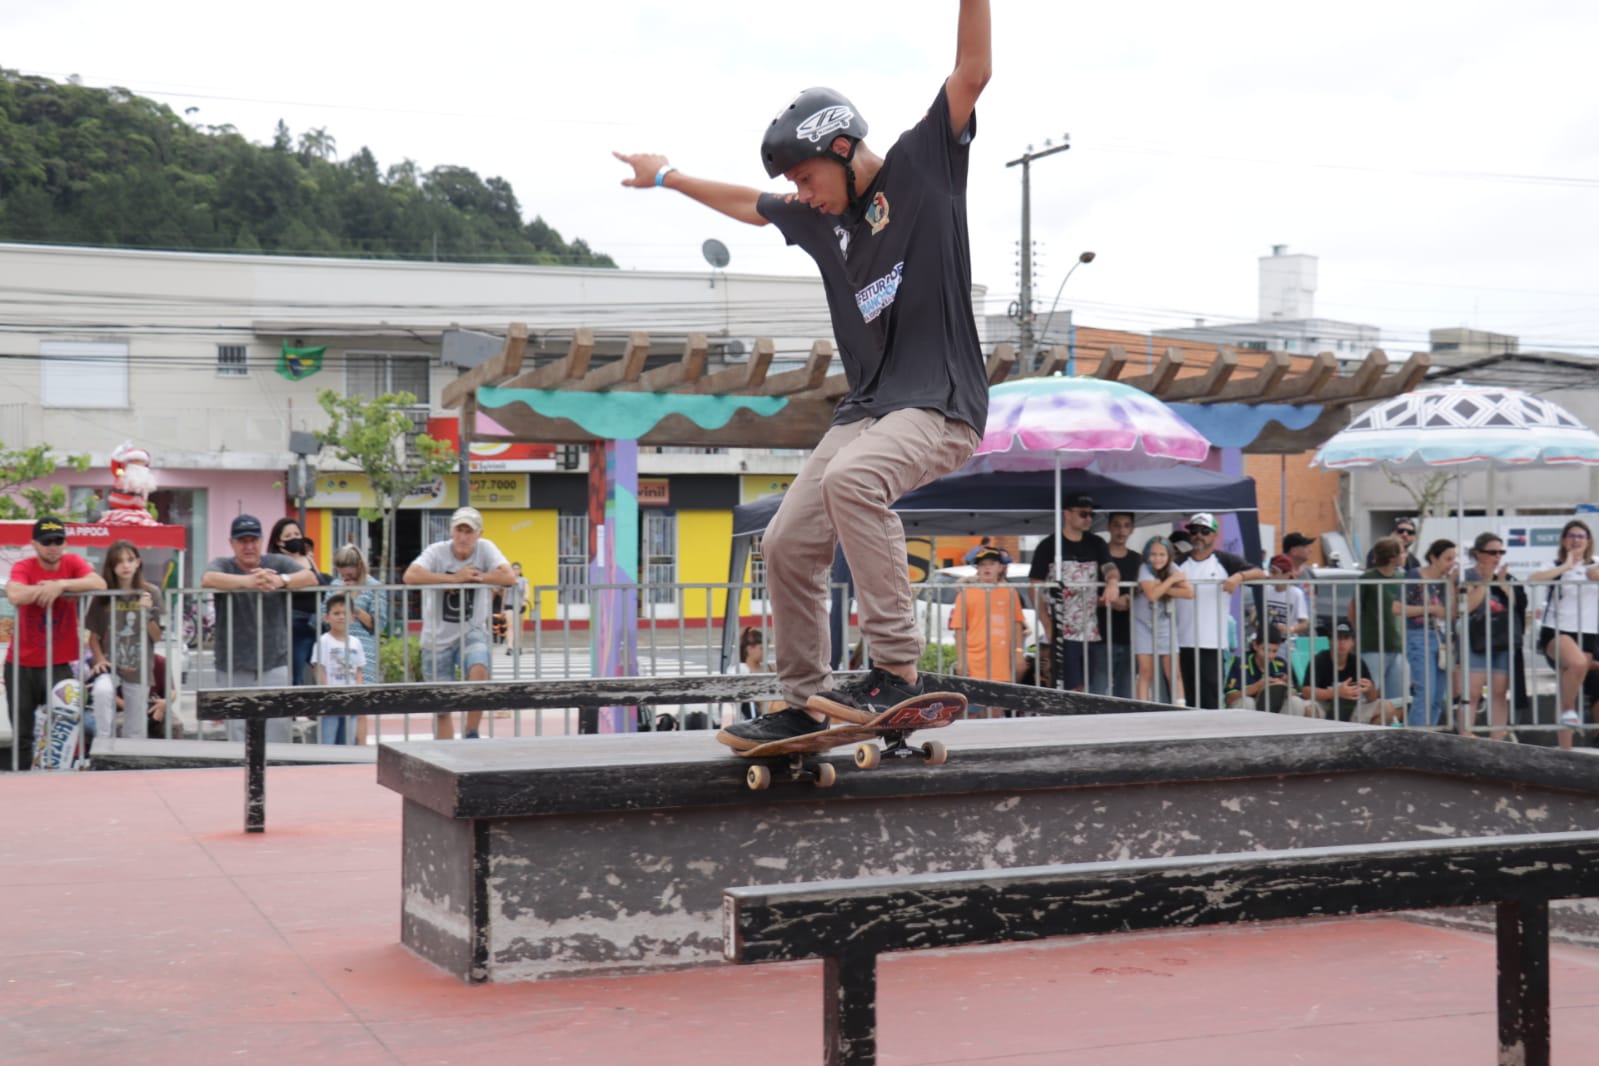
(297, 364)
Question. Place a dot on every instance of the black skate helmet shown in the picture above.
(805, 129)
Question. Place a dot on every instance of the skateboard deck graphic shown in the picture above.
(928, 711)
(58, 743)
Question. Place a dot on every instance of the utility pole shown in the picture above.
(1022, 311)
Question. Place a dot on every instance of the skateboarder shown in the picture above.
(888, 233)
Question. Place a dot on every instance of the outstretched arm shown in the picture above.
(974, 62)
(734, 201)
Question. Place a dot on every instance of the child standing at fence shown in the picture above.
(338, 659)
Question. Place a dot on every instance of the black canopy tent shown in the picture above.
(1020, 502)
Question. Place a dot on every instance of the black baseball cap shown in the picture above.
(1346, 630)
(1296, 540)
(245, 525)
(1080, 499)
(49, 530)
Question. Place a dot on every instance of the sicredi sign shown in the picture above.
(1531, 541)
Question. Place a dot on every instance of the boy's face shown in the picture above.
(336, 616)
(819, 183)
(990, 572)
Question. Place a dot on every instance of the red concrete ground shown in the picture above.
(139, 925)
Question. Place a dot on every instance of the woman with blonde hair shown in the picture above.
(368, 615)
(1160, 582)
(1569, 633)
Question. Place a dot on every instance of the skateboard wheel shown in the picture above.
(937, 754)
(826, 775)
(758, 778)
(868, 756)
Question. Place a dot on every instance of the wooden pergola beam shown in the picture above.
(570, 367)
(1000, 363)
(1112, 363)
(507, 364)
(807, 378)
(1302, 386)
(686, 370)
(1161, 378)
(1052, 362)
(1200, 387)
(1353, 388)
(1259, 385)
(626, 369)
(746, 378)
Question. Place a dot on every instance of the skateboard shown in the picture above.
(58, 733)
(928, 711)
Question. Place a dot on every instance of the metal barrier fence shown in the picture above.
(1453, 652)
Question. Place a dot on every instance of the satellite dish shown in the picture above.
(715, 253)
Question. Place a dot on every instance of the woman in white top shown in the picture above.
(1569, 634)
(1160, 582)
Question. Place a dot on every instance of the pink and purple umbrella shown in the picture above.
(1060, 423)
(1069, 423)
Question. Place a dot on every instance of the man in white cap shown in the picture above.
(1202, 621)
(455, 622)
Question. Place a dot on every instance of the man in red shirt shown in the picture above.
(46, 642)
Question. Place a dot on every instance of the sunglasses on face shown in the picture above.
(1405, 532)
(1490, 551)
(1084, 512)
(1206, 530)
(1576, 534)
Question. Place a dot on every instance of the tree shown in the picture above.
(19, 497)
(375, 435)
(1426, 489)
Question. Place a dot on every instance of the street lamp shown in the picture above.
(1086, 257)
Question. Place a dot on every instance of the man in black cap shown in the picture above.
(252, 626)
(1341, 686)
(45, 644)
(1298, 547)
(1085, 578)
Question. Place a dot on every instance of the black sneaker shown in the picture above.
(866, 697)
(780, 725)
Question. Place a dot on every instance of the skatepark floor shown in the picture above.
(139, 924)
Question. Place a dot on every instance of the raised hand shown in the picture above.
(645, 166)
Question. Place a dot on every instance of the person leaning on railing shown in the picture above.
(1377, 613)
(45, 641)
(1569, 635)
(1495, 604)
(252, 626)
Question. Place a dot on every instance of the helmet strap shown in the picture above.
(849, 175)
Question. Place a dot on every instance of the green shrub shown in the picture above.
(939, 658)
(392, 657)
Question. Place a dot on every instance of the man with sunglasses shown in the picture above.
(1067, 592)
(1202, 621)
(45, 645)
(1405, 530)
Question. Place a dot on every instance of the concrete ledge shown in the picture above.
(557, 856)
(127, 754)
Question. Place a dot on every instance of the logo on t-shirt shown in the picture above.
(877, 213)
(833, 119)
(879, 295)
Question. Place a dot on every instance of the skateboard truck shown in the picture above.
(821, 774)
(869, 755)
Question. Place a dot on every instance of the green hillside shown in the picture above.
(107, 168)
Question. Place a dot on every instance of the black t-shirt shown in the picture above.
(1121, 622)
(1083, 562)
(898, 278)
(1324, 673)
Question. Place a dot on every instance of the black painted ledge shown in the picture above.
(541, 776)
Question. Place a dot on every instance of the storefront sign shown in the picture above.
(654, 492)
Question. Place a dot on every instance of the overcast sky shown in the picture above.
(1441, 159)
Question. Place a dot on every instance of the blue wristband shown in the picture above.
(660, 175)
